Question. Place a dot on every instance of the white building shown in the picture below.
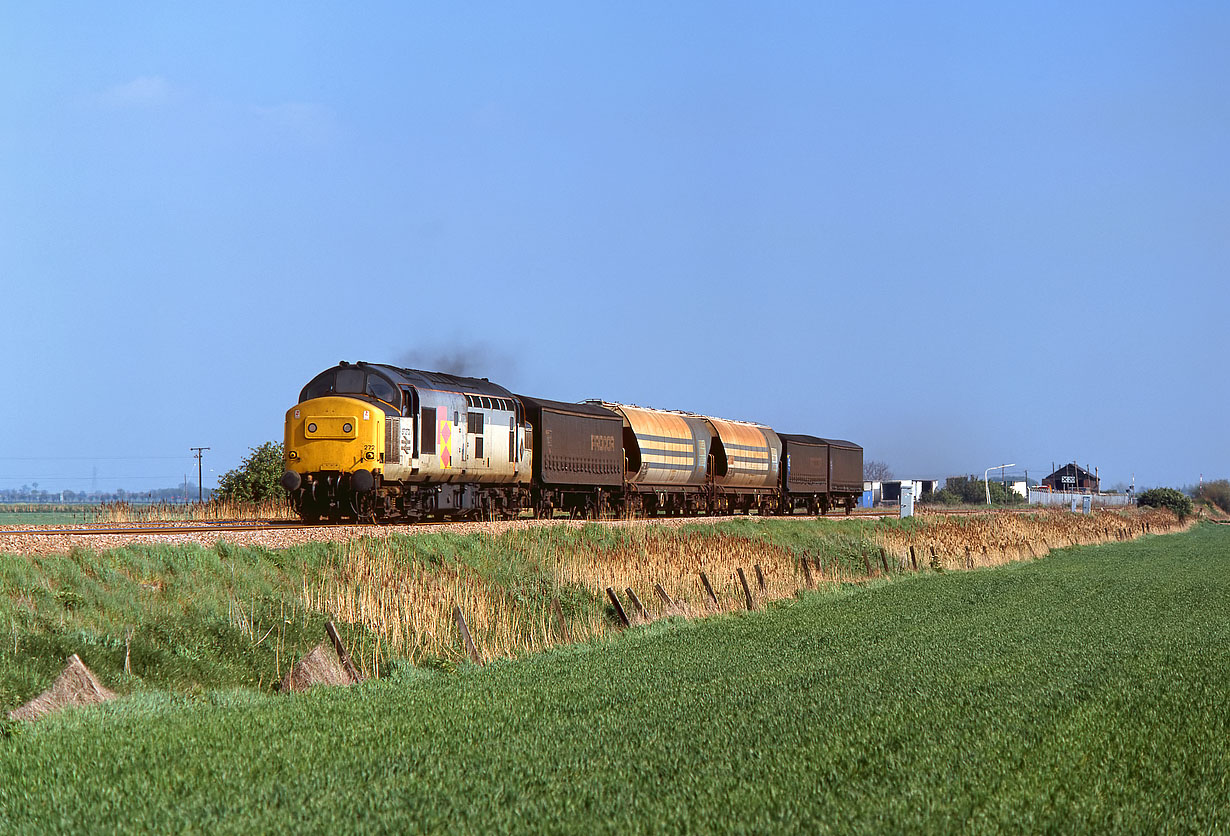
(888, 492)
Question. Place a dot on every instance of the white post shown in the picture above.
(986, 478)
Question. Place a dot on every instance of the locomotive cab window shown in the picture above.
(349, 382)
(321, 386)
(383, 390)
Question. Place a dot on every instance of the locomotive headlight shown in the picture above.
(311, 428)
(292, 455)
(347, 427)
(369, 455)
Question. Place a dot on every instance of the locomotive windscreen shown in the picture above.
(352, 381)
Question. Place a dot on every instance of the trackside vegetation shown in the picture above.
(189, 618)
(1178, 502)
(1084, 692)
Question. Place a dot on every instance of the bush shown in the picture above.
(258, 478)
(1176, 501)
(1216, 493)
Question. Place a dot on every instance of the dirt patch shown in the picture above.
(76, 686)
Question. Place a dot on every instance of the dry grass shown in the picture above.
(409, 604)
(994, 539)
(123, 512)
(408, 597)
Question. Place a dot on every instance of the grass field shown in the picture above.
(59, 515)
(1086, 692)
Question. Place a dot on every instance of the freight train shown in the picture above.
(377, 443)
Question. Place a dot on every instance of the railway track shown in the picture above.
(281, 534)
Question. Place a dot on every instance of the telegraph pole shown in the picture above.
(200, 456)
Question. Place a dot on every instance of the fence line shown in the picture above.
(1065, 498)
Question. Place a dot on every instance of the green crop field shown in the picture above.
(57, 515)
(1085, 692)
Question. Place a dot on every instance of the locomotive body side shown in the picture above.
(437, 445)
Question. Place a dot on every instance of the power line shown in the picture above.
(94, 457)
(74, 478)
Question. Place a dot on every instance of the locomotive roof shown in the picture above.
(436, 380)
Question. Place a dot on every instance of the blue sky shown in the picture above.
(960, 234)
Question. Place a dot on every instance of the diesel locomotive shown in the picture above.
(377, 443)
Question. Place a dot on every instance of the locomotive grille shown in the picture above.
(392, 440)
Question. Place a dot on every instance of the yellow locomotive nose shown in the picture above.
(333, 434)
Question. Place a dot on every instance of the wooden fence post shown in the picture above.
(760, 578)
(811, 584)
(465, 635)
(666, 599)
(619, 609)
(884, 560)
(636, 602)
(746, 591)
(341, 652)
(709, 588)
(913, 559)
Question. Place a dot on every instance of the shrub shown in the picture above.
(1176, 501)
(258, 478)
(1216, 492)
